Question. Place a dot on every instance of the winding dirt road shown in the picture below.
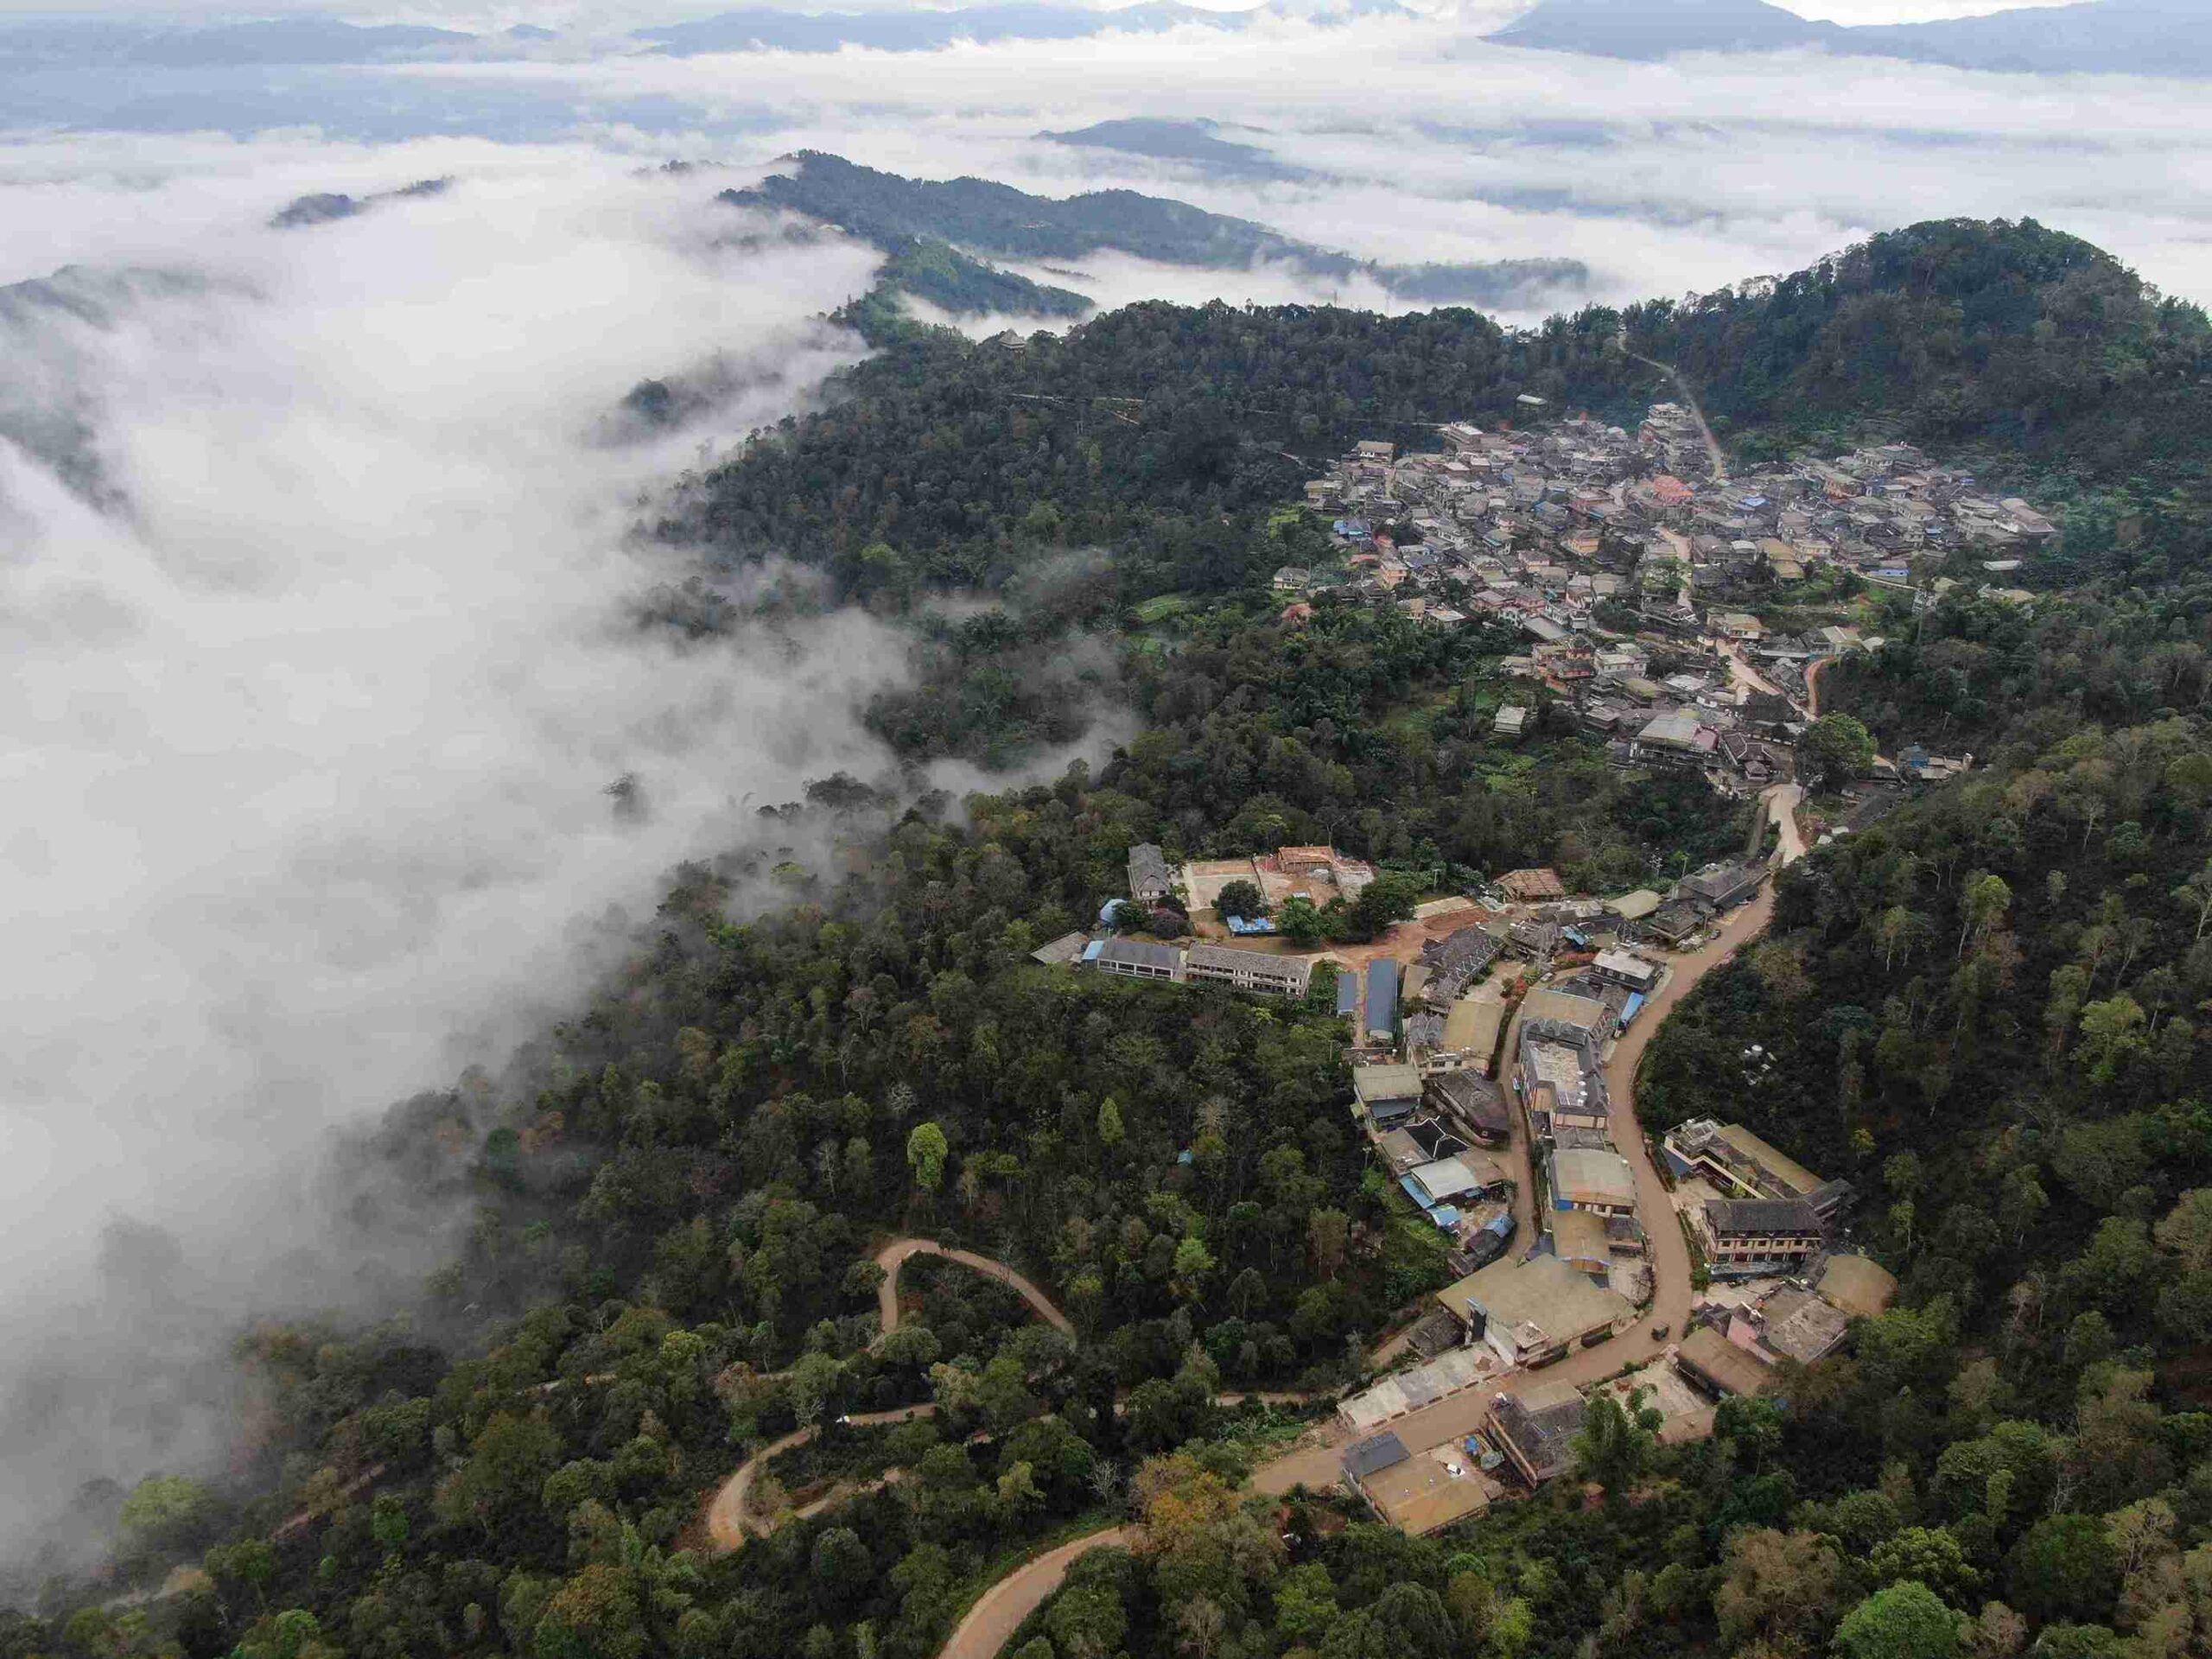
(895, 1255)
(1317, 1466)
(998, 1612)
(995, 1617)
(1697, 411)
(728, 1522)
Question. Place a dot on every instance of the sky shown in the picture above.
(316, 562)
(474, 14)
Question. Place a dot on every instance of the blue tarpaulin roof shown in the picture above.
(1633, 1007)
(1238, 925)
(1444, 1215)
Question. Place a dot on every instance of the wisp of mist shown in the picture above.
(315, 584)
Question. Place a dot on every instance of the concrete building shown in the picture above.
(1586, 1016)
(1416, 1492)
(1717, 1365)
(1137, 959)
(1249, 970)
(1586, 1177)
(1624, 967)
(1532, 1313)
(1386, 1094)
(1741, 1164)
(1534, 886)
(1752, 1237)
(1537, 1438)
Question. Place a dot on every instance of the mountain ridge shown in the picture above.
(889, 211)
(2157, 37)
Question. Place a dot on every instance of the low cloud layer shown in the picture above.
(316, 616)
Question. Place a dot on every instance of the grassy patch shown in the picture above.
(1160, 607)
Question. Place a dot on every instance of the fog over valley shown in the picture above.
(318, 595)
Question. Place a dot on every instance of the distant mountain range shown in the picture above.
(1192, 142)
(79, 42)
(2147, 37)
(322, 208)
(893, 213)
(919, 29)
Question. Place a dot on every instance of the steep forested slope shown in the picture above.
(2032, 351)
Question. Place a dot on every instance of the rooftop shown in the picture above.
(1560, 1066)
(1543, 1436)
(1583, 1013)
(1533, 884)
(1857, 1285)
(1729, 1216)
(1423, 1492)
(1544, 1293)
(1722, 1363)
(1802, 1326)
(1372, 1083)
(1138, 953)
(1584, 1175)
(1374, 1454)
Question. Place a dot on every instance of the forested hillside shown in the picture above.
(1990, 1008)
(943, 461)
(2037, 354)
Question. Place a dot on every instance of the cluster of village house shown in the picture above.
(1552, 980)
(1539, 529)
(1766, 1228)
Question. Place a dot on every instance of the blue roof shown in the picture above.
(1381, 995)
(1238, 925)
(1347, 992)
(1445, 1216)
(1090, 951)
(1501, 1225)
(1633, 1007)
(1412, 1190)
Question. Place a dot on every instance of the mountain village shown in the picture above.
(1494, 1036)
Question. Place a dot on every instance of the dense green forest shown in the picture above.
(1990, 1009)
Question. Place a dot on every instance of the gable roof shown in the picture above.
(1738, 1216)
(1376, 1453)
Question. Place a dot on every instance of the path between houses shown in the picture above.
(1462, 1414)
(1697, 411)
